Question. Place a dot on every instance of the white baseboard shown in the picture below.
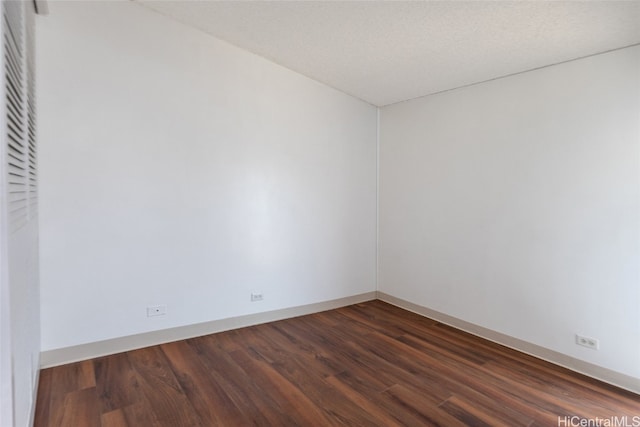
(598, 372)
(77, 353)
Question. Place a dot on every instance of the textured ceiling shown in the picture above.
(389, 51)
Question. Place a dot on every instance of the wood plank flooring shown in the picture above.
(369, 364)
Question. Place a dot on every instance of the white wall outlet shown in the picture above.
(156, 310)
(256, 296)
(587, 342)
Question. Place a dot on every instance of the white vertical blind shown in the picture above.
(19, 272)
(20, 114)
(32, 161)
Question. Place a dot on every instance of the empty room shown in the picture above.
(320, 213)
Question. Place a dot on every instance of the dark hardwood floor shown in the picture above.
(369, 364)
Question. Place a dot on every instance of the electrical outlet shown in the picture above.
(256, 296)
(587, 342)
(156, 310)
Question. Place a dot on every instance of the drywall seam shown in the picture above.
(603, 374)
(377, 198)
(80, 352)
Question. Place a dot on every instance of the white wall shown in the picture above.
(514, 205)
(177, 169)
